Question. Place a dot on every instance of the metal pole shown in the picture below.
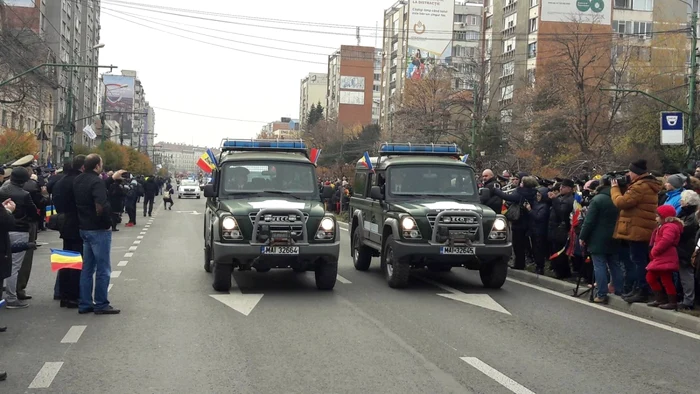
(474, 99)
(103, 115)
(692, 90)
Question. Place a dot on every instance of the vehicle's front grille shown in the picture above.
(468, 220)
(295, 227)
(458, 224)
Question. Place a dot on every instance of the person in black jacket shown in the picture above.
(94, 223)
(559, 226)
(7, 223)
(525, 196)
(25, 215)
(490, 199)
(64, 200)
(686, 272)
(150, 190)
(116, 199)
(539, 221)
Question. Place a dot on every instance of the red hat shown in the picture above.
(666, 211)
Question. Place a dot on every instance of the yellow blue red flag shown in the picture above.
(65, 259)
(207, 162)
(367, 162)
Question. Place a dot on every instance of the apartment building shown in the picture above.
(285, 128)
(181, 157)
(350, 85)
(377, 86)
(312, 91)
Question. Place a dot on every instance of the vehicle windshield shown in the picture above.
(189, 183)
(261, 177)
(427, 180)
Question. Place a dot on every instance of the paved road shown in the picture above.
(173, 337)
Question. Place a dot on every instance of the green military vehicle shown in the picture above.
(417, 206)
(264, 211)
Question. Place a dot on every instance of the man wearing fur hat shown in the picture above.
(636, 222)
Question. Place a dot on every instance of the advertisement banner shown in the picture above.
(429, 35)
(352, 83)
(584, 11)
(118, 99)
(352, 98)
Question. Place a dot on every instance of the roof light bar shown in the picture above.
(230, 144)
(419, 149)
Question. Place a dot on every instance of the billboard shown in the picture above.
(585, 11)
(352, 98)
(352, 83)
(20, 3)
(429, 35)
(118, 100)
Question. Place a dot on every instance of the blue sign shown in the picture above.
(672, 131)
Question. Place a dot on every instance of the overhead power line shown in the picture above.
(210, 116)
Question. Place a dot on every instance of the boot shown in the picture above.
(672, 303)
(639, 297)
(660, 299)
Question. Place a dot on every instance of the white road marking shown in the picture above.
(343, 280)
(122, 263)
(480, 300)
(142, 233)
(137, 242)
(115, 274)
(344, 229)
(46, 375)
(109, 287)
(236, 300)
(500, 378)
(73, 334)
(139, 237)
(129, 255)
(132, 248)
(609, 310)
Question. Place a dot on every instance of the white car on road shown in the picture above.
(189, 188)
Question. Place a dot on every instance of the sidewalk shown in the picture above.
(677, 319)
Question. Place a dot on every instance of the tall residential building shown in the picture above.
(311, 92)
(285, 128)
(181, 157)
(24, 27)
(74, 36)
(376, 86)
(517, 55)
(350, 85)
(442, 32)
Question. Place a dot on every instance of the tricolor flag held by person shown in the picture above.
(575, 221)
(50, 210)
(464, 158)
(315, 153)
(65, 259)
(207, 162)
(367, 162)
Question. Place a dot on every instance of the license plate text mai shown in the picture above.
(465, 250)
(280, 250)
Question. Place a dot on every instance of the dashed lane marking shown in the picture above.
(122, 263)
(73, 334)
(115, 274)
(109, 287)
(343, 280)
(500, 378)
(46, 375)
(142, 233)
(133, 248)
(344, 229)
(129, 254)
(137, 242)
(139, 237)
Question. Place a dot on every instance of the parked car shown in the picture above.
(189, 188)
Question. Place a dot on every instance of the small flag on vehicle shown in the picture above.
(315, 153)
(207, 162)
(367, 162)
(65, 259)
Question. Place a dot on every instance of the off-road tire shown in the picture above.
(397, 273)
(207, 259)
(493, 275)
(222, 277)
(361, 254)
(326, 275)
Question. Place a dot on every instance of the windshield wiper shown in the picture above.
(279, 192)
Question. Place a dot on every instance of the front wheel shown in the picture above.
(207, 258)
(326, 275)
(222, 277)
(493, 275)
(396, 272)
(361, 254)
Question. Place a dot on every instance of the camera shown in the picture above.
(620, 176)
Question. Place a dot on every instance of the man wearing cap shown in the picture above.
(240, 178)
(636, 223)
(559, 226)
(25, 214)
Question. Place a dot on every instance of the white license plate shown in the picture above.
(468, 250)
(279, 250)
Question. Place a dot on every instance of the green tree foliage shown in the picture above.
(119, 157)
(315, 115)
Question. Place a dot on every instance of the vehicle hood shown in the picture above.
(433, 206)
(254, 204)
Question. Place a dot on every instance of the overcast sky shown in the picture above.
(185, 75)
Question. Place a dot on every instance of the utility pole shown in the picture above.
(68, 125)
(692, 154)
(475, 96)
(103, 115)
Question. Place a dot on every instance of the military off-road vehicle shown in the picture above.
(417, 206)
(264, 211)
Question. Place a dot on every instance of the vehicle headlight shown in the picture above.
(499, 224)
(327, 224)
(408, 223)
(228, 223)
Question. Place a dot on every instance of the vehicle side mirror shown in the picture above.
(209, 191)
(327, 192)
(375, 193)
(485, 192)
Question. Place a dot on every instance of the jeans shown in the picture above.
(630, 271)
(601, 264)
(639, 255)
(17, 258)
(148, 205)
(96, 261)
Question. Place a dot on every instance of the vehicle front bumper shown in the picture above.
(224, 253)
(192, 194)
(432, 252)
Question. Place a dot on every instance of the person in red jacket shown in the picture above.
(664, 257)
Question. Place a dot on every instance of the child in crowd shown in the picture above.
(664, 258)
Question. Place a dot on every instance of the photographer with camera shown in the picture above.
(637, 221)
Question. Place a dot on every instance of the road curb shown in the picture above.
(678, 319)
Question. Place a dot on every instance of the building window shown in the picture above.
(473, 20)
(643, 29)
(532, 50)
(643, 5)
(507, 92)
(489, 22)
(534, 3)
(642, 54)
(623, 4)
(532, 25)
(531, 76)
(460, 36)
(508, 69)
(508, 45)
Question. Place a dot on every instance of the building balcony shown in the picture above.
(510, 8)
(509, 54)
(509, 31)
(507, 79)
(505, 101)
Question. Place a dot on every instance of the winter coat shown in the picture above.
(26, 213)
(560, 219)
(492, 200)
(599, 224)
(150, 188)
(519, 196)
(131, 195)
(637, 207)
(64, 200)
(664, 241)
(116, 195)
(686, 245)
(539, 215)
(673, 198)
(7, 223)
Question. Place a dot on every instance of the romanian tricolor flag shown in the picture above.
(464, 158)
(575, 221)
(367, 162)
(65, 259)
(315, 153)
(50, 210)
(207, 162)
